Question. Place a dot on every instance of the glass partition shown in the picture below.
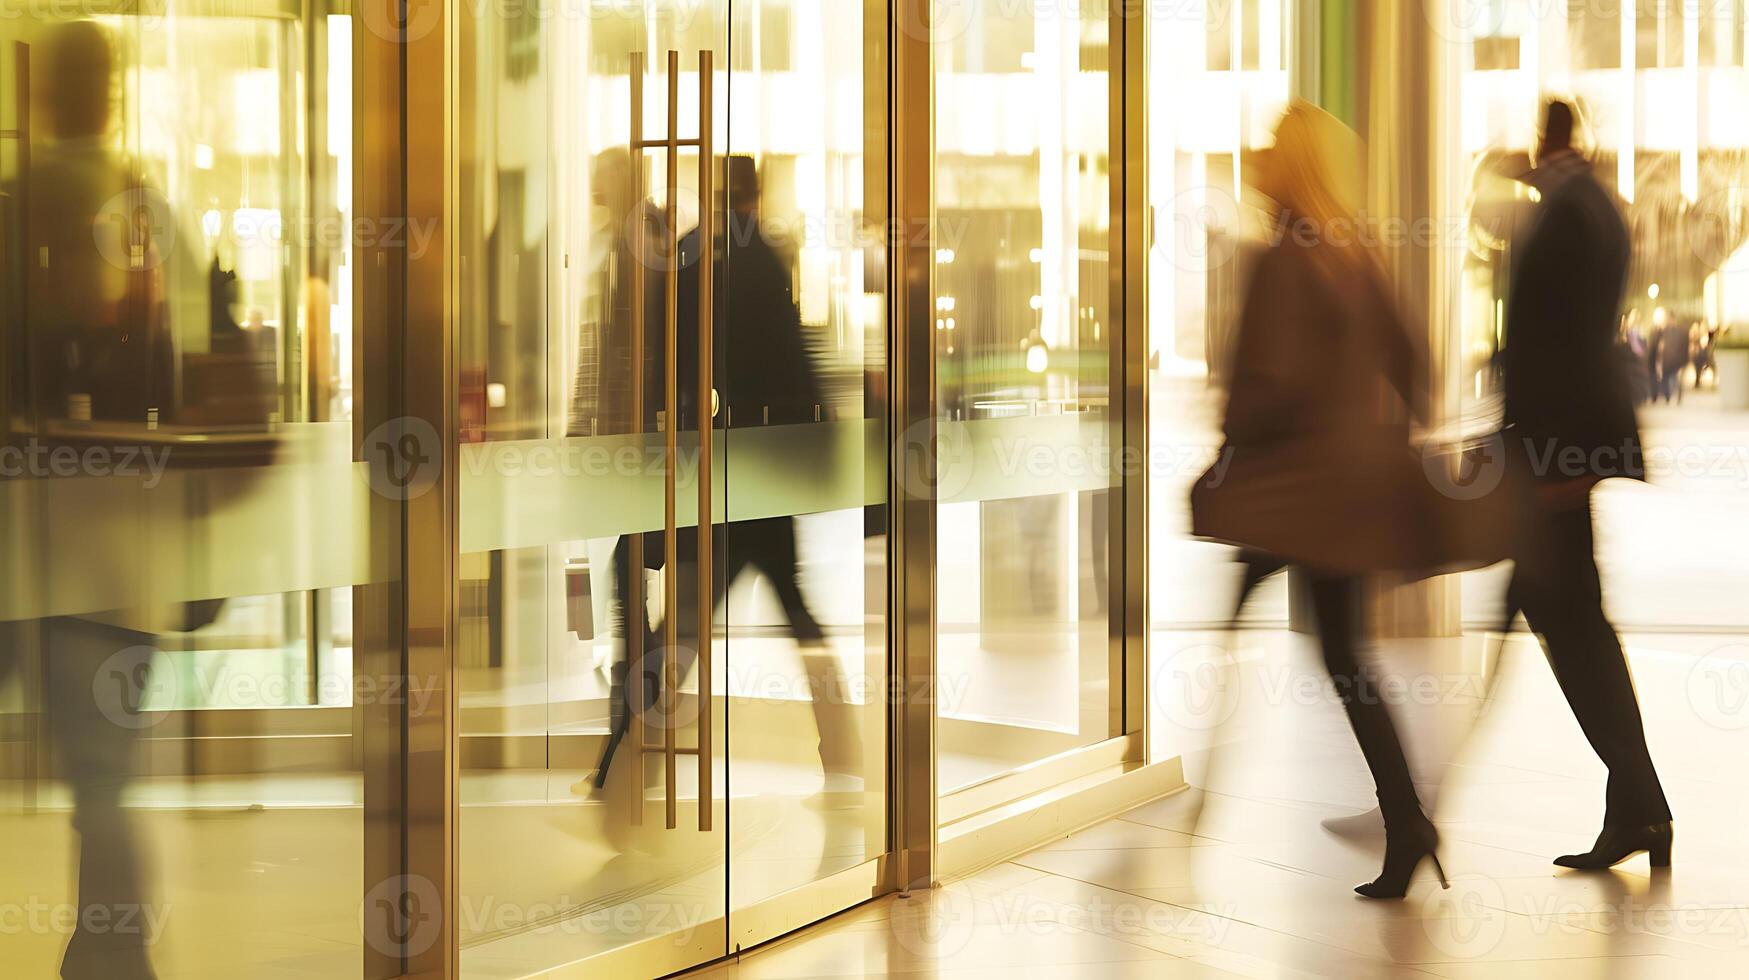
(1023, 355)
(190, 524)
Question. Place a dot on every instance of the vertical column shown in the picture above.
(1689, 162)
(1400, 108)
(911, 491)
(1628, 130)
(427, 435)
(1128, 267)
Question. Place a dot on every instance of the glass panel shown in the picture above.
(1023, 355)
(802, 311)
(189, 529)
(566, 256)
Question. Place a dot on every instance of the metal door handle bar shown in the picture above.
(668, 694)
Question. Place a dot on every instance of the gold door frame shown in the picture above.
(411, 751)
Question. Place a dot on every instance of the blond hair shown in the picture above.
(1316, 171)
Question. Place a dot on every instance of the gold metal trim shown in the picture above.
(381, 116)
(807, 904)
(432, 583)
(706, 424)
(1129, 301)
(1052, 815)
(636, 614)
(911, 472)
(1017, 785)
(655, 956)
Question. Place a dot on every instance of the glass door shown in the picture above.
(670, 325)
(802, 316)
(587, 830)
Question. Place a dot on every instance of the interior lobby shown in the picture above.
(646, 488)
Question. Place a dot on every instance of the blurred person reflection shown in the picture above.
(108, 294)
(1569, 421)
(601, 402)
(770, 379)
(1320, 474)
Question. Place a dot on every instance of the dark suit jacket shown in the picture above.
(766, 374)
(1568, 405)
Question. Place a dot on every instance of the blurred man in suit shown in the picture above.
(1569, 420)
(768, 378)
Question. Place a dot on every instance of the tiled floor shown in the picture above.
(1238, 878)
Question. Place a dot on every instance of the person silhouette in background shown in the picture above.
(1320, 475)
(768, 378)
(1674, 354)
(108, 292)
(1568, 420)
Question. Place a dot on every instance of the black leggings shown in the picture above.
(1336, 601)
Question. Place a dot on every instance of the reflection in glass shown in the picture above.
(185, 525)
(571, 690)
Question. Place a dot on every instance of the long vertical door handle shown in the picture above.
(635, 614)
(706, 424)
(671, 433)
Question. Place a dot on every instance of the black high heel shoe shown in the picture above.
(1403, 854)
(1617, 844)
